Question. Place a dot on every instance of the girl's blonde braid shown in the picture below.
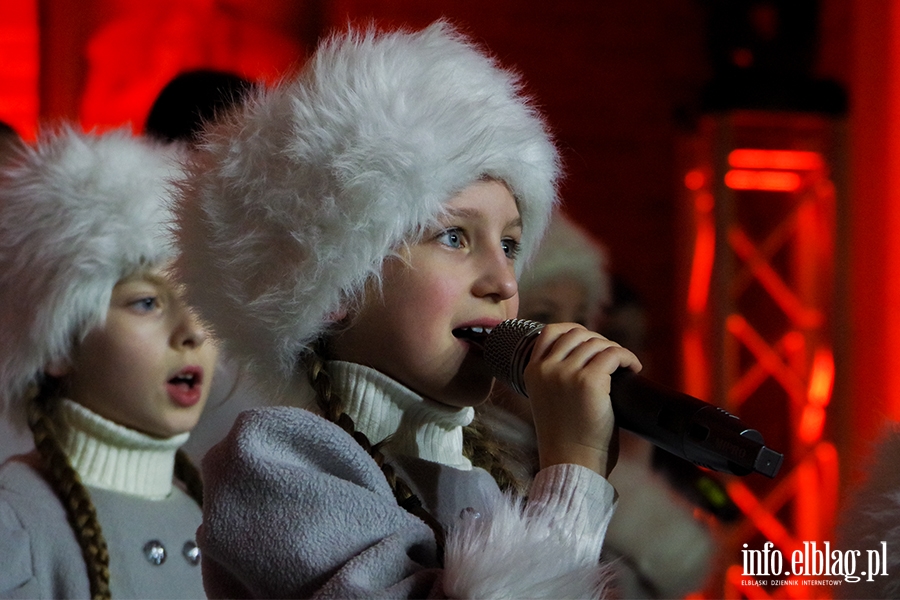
(71, 492)
(487, 452)
(75, 497)
(330, 405)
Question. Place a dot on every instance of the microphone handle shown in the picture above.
(696, 431)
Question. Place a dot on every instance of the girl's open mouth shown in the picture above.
(474, 335)
(185, 387)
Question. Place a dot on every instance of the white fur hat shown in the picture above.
(293, 203)
(78, 212)
(567, 250)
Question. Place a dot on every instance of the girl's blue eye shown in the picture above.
(451, 237)
(511, 248)
(146, 304)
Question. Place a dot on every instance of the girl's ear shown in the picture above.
(338, 315)
(58, 368)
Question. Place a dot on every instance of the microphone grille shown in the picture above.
(508, 348)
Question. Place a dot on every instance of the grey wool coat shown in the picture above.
(295, 508)
(40, 556)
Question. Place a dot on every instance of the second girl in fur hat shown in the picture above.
(361, 225)
(112, 368)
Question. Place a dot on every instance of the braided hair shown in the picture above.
(483, 448)
(43, 401)
(479, 445)
(330, 403)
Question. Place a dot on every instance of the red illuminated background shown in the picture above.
(620, 83)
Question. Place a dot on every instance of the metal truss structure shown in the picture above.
(758, 338)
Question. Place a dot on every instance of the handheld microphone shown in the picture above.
(692, 429)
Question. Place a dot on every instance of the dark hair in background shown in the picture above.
(7, 129)
(191, 100)
(10, 141)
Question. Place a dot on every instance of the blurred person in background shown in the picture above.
(657, 546)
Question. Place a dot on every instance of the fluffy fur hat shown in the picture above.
(293, 203)
(78, 212)
(567, 250)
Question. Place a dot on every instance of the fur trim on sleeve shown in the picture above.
(548, 549)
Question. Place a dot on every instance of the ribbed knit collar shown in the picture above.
(381, 407)
(112, 457)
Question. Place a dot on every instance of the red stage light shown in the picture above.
(770, 170)
(19, 47)
(795, 160)
(694, 180)
(766, 181)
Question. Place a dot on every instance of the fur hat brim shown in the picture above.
(78, 212)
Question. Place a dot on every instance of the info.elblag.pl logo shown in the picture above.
(815, 560)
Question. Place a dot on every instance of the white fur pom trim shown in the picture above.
(526, 552)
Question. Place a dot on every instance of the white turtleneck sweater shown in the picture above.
(141, 513)
(111, 457)
(381, 407)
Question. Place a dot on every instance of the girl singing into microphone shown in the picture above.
(360, 228)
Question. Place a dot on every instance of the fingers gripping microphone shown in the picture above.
(694, 430)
